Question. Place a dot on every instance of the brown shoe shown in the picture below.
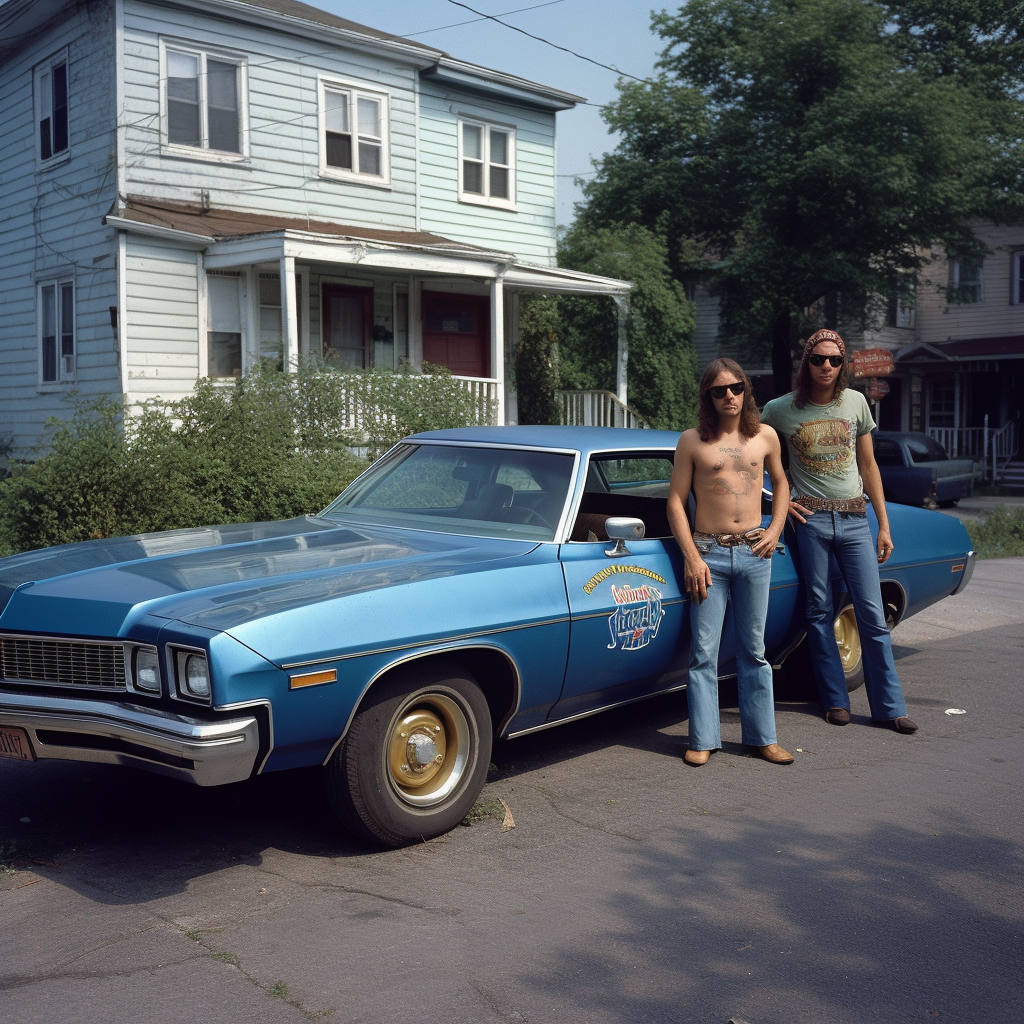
(837, 716)
(774, 753)
(695, 758)
(904, 725)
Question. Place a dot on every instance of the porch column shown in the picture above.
(415, 324)
(622, 355)
(498, 342)
(289, 314)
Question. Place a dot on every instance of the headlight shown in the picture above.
(146, 669)
(193, 675)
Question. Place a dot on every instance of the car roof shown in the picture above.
(582, 439)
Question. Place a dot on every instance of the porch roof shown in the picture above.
(234, 238)
(962, 350)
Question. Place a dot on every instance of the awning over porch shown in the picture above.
(963, 350)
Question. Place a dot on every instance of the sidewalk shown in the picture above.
(976, 507)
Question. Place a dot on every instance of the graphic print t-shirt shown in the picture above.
(822, 443)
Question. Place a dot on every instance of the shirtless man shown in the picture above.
(728, 555)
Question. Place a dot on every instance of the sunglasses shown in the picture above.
(819, 360)
(720, 389)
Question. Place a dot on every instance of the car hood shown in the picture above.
(219, 577)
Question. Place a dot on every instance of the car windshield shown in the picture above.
(481, 491)
(924, 449)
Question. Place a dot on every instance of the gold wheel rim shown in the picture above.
(427, 750)
(848, 640)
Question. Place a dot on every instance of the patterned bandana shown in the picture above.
(823, 335)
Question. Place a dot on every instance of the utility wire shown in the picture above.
(473, 21)
(541, 39)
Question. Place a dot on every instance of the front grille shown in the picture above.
(83, 664)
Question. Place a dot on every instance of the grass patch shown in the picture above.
(999, 535)
(226, 958)
(484, 809)
(8, 850)
(279, 989)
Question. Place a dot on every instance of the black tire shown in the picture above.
(796, 679)
(415, 757)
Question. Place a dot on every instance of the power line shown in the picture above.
(541, 39)
(473, 21)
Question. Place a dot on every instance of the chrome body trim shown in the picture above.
(203, 752)
(972, 557)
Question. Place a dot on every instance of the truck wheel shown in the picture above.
(415, 757)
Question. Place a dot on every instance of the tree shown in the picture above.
(813, 151)
(662, 365)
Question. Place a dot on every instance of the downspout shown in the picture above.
(622, 352)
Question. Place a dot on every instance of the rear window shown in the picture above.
(924, 449)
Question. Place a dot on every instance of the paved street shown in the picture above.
(877, 879)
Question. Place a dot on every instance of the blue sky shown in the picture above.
(613, 32)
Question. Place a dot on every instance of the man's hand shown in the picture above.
(798, 512)
(885, 548)
(764, 546)
(698, 579)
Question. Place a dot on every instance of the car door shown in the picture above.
(629, 631)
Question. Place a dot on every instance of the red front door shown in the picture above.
(457, 332)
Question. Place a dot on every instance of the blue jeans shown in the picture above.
(847, 536)
(740, 579)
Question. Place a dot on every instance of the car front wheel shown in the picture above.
(415, 757)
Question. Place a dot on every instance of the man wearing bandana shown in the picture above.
(827, 428)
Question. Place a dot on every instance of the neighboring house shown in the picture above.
(190, 185)
(956, 363)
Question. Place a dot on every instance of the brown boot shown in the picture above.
(696, 758)
(774, 753)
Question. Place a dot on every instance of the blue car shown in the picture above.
(472, 584)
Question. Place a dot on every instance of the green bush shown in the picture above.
(270, 445)
(999, 535)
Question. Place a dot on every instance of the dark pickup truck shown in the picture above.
(917, 471)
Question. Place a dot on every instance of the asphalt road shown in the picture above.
(877, 879)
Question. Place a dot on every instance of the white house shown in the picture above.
(190, 185)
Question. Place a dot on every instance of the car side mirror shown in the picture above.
(620, 529)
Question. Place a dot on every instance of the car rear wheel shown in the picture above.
(415, 757)
(796, 681)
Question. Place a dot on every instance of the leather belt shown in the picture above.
(731, 540)
(858, 504)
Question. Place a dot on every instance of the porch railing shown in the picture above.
(596, 409)
(993, 447)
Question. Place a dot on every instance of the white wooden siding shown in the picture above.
(162, 320)
(281, 175)
(995, 316)
(529, 230)
(52, 221)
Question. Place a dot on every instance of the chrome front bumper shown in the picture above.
(205, 753)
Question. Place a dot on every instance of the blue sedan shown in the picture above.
(472, 584)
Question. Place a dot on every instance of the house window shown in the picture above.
(1017, 281)
(354, 133)
(224, 324)
(487, 164)
(967, 281)
(901, 308)
(51, 97)
(56, 331)
(203, 101)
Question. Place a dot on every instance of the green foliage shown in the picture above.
(807, 149)
(270, 445)
(663, 378)
(536, 377)
(999, 535)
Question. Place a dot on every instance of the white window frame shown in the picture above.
(1017, 278)
(203, 150)
(42, 98)
(66, 369)
(354, 93)
(485, 198)
(244, 329)
(980, 286)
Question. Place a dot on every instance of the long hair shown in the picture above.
(802, 387)
(707, 417)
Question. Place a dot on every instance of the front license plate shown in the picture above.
(14, 744)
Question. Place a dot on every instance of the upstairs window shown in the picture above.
(56, 331)
(354, 133)
(1017, 279)
(967, 281)
(51, 99)
(487, 164)
(203, 101)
